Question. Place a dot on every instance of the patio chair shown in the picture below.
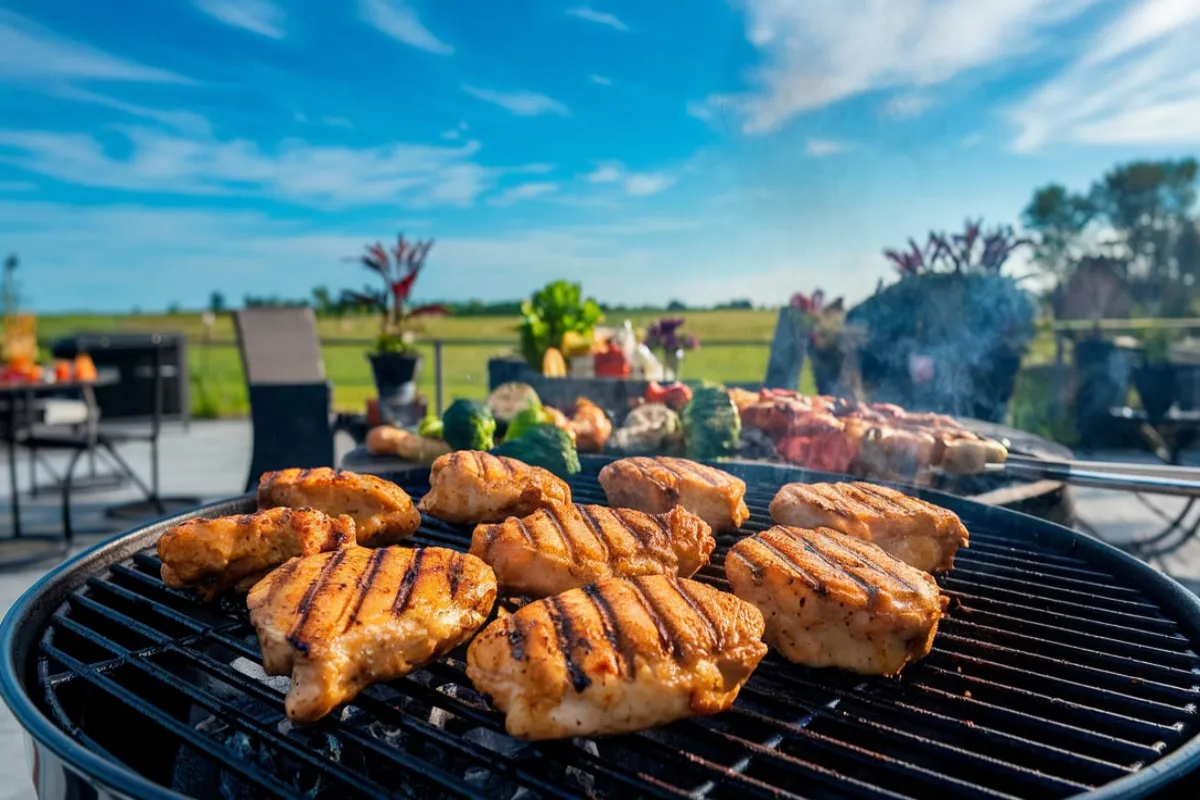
(290, 399)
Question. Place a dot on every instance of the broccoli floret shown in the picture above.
(546, 446)
(468, 425)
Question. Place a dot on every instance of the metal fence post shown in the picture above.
(1059, 374)
(437, 375)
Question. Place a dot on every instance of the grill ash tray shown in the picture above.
(1063, 667)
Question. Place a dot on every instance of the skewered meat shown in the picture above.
(832, 600)
(621, 655)
(920, 534)
(338, 622)
(470, 486)
(215, 554)
(655, 485)
(568, 546)
(383, 513)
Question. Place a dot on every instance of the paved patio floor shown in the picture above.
(210, 461)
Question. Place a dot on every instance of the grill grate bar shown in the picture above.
(183, 732)
(983, 589)
(1041, 646)
(1001, 544)
(1029, 573)
(977, 553)
(1132, 607)
(1111, 630)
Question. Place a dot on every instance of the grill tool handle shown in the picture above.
(1121, 477)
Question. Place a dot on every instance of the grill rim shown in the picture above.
(27, 618)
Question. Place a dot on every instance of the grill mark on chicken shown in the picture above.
(878, 500)
(612, 630)
(702, 612)
(871, 563)
(597, 528)
(455, 576)
(304, 609)
(564, 631)
(671, 491)
(568, 542)
(404, 595)
(841, 566)
(285, 574)
(365, 581)
(813, 582)
(495, 532)
(516, 638)
(632, 522)
(666, 638)
(683, 469)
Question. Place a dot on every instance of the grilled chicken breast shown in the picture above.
(338, 622)
(470, 486)
(920, 534)
(215, 554)
(617, 656)
(569, 546)
(655, 485)
(832, 600)
(383, 513)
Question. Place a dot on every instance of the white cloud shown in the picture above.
(1137, 82)
(455, 133)
(409, 174)
(28, 52)
(598, 17)
(257, 16)
(908, 104)
(824, 147)
(600, 80)
(522, 104)
(972, 139)
(637, 184)
(398, 20)
(525, 191)
(337, 122)
(183, 121)
(817, 53)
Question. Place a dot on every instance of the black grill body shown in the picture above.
(1064, 667)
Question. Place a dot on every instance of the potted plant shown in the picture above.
(557, 318)
(823, 323)
(395, 363)
(664, 335)
(1154, 379)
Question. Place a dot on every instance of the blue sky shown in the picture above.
(152, 151)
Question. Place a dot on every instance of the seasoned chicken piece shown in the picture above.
(383, 513)
(920, 534)
(215, 554)
(470, 486)
(655, 485)
(832, 600)
(565, 547)
(338, 622)
(617, 656)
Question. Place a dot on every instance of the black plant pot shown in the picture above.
(1156, 386)
(827, 371)
(396, 376)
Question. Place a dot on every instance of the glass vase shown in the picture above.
(672, 360)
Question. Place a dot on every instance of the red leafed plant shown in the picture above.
(973, 250)
(399, 268)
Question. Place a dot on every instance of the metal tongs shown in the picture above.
(1117, 476)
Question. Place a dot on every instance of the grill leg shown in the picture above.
(68, 531)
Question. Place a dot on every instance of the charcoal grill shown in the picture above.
(1064, 667)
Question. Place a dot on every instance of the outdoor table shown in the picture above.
(19, 407)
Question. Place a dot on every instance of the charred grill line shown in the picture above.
(598, 529)
(875, 565)
(567, 640)
(455, 571)
(813, 581)
(667, 638)
(568, 542)
(701, 610)
(521, 526)
(404, 594)
(612, 630)
(366, 580)
(304, 609)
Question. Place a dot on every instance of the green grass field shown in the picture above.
(218, 387)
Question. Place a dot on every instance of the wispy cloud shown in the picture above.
(816, 54)
(971, 140)
(337, 122)
(1137, 82)
(908, 104)
(637, 184)
(257, 16)
(31, 53)
(599, 79)
(598, 17)
(183, 121)
(523, 104)
(525, 191)
(407, 174)
(824, 147)
(398, 20)
(455, 133)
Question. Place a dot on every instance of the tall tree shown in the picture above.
(1058, 219)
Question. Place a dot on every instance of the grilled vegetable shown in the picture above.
(468, 425)
(509, 399)
(711, 423)
(546, 446)
(646, 429)
(431, 427)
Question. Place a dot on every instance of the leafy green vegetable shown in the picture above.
(431, 427)
(546, 446)
(711, 423)
(526, 420)
(551, 312)
(468, 425)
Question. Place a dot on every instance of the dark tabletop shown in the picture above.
(9, 388)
